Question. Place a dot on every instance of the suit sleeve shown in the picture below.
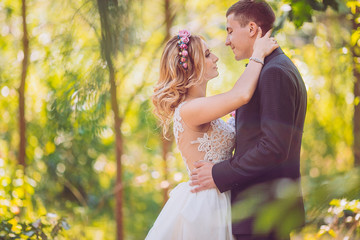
(277, 116)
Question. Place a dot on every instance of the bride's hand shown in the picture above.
(265, 45)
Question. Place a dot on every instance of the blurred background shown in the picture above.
(81, 153)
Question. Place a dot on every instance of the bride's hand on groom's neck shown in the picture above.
(264, 46)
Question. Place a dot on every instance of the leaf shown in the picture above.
(332, 233)
(335, 202)
(353, 5)
(37, 224)
(356, 101)
(65, 225)
(355, 37)
(29, 233)
(51, 215)
(300, 12)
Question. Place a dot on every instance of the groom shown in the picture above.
(265, 168)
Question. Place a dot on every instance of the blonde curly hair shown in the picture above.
(174, 80)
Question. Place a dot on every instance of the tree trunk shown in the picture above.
(356, 69)
(25, 63)
(118, 151)
(168, 21)
(109, 51)
(166, 143)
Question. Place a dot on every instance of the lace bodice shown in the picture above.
(214, 145)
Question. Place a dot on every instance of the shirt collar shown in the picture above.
(275, 53)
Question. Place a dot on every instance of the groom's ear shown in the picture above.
(253, 29)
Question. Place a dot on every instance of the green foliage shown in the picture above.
(40, 229)
(16, 212)
(70, 140)
(341, 221)
(303, 10)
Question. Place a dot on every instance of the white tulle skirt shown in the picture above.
(193, 216)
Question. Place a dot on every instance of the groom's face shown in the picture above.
(238, 38)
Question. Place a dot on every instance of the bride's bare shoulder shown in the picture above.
(188, 114)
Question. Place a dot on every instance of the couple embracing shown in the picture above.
(266, 132)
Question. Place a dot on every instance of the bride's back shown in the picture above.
(214, 145)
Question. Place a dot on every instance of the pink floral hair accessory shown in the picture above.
(184, 33)
(184, 39)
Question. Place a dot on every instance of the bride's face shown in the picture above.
(210, 63)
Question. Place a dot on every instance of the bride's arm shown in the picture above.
(205, 109)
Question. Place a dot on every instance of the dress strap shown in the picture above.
(177, 126)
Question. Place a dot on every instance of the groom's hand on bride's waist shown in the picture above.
(201, 176)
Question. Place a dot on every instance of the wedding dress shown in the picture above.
(205, 215)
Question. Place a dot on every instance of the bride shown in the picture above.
(187, 64)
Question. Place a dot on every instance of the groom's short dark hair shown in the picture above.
(257, 11)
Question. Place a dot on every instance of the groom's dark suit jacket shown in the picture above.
(265, 168)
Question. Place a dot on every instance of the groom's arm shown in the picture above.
(277, 117)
